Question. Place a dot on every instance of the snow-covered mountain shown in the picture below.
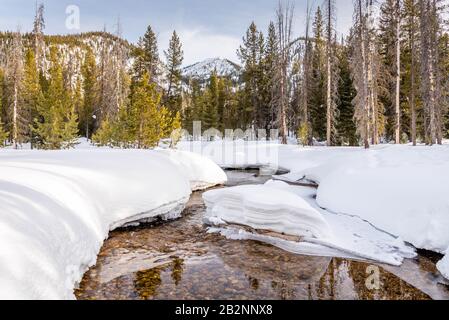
(203, 70)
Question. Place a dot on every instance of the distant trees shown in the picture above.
(386, 81)
(142, 118)
(57, 124)
(432, 83)
(366, 73)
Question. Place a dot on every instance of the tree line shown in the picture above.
(385, 81)
(48, 99)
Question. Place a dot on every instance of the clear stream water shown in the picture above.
(180, 260)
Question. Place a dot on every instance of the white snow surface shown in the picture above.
(57, 208)
(401, 190)
(266, 208)
(204, 69)
(291, 210)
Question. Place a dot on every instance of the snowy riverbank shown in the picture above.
(401, 190)
(57, 208)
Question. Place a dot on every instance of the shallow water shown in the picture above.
(180, 260)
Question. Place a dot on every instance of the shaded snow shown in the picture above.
(57, 208)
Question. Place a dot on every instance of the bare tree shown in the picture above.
(38, 37)
(284, 16)
(113, 78)
(411, 13)
(306, 62)
(398, 72)
(14, 75)
(331, 72)
(360, 72)
(430, 77)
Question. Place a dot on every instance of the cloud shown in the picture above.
(199, 44)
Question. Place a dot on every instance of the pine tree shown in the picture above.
(193, 105)
(87, 113)
(104, 135)
(411, 70)
(345, 121)
(31, 90)
(269, 79)
(225, 98)
(211, 102)
(144, 114)
(57, 124)
(250, 54)
(149, 58)
(174, 56)
(317, 98)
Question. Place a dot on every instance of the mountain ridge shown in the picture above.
(202, 70)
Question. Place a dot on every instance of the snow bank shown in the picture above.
(201, 172)
(290, 211)
(401, 190)
(56, 209)
(265, 208)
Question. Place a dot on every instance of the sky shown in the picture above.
(207, 28)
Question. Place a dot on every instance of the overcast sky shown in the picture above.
(208, 28)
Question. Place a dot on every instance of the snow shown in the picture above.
(203, 70)
(443, 265)
(401, 190)
(57, 208)
(266, 208)
(290, 211)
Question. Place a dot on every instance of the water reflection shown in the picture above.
(180, 260)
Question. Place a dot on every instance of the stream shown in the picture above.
(180, 260)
